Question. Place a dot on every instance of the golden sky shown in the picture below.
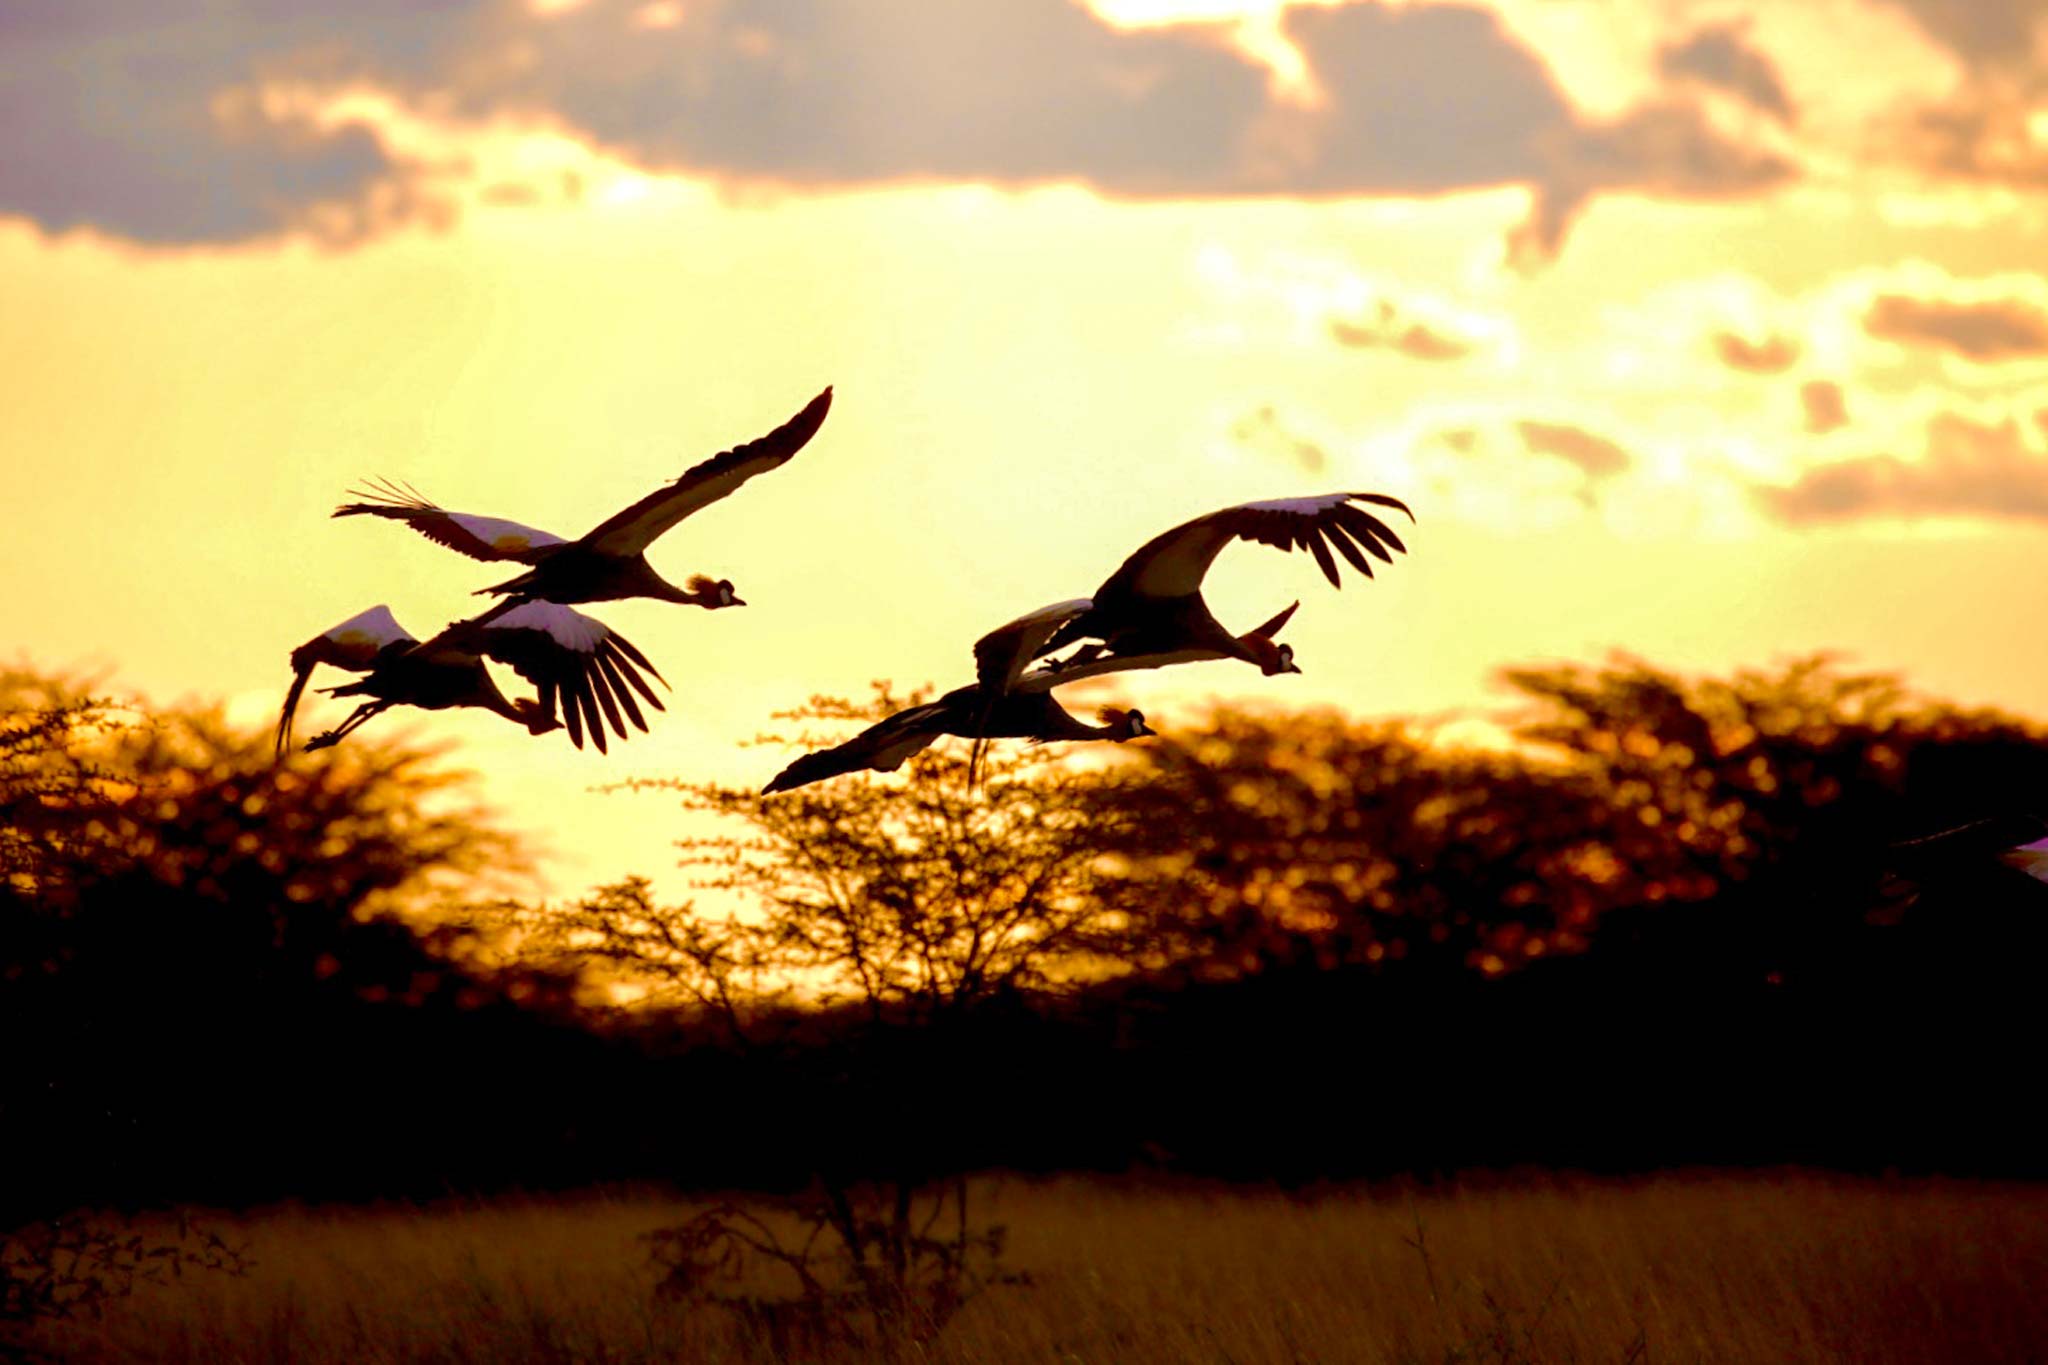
(1712, 332)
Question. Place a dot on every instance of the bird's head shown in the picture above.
(1260, 647)
(1272, 658)
(1124, 724)
(713, 592)
(538, 721)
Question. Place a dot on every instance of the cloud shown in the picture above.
(1388, 327)
(1263, 431)
(147, 121)
(1669, 150)
(1773, 355)
(1981, 31)
(1984, 330)
(839, 92)
(1968, 470)
(1720, 57)
(1984, 129)
(1824, 406)
(1597, 456)
(130, 136)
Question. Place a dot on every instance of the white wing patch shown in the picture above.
(371, 630)
(508, 537)
(572, 630)
(2031, 859)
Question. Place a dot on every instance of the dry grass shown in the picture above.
(1720, 1268)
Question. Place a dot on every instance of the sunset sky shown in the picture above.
(1711, 332)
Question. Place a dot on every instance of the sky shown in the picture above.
(1712, 332)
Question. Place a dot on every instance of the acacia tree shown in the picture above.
(1316, 839)
(904, 900)
(884, 924)
(182, 917)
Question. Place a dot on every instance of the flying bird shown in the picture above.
(884, 746)
(1002, 656)
(592, 669)
(1153, 603)
(1026, 710)
(609, 561)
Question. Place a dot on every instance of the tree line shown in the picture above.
(1664, 919)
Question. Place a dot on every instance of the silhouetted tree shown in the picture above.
(880, 931)
(207, 950)
(1259, 839)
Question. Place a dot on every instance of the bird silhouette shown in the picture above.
(592, 669)
(1153, 606)
(884, 746)
(609, 561)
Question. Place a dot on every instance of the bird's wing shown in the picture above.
(1173, 564)
(358, 644)
(592, 668)
(1987, 837)
(1047, 677)
(633, 530)
(1001, 656)
(882, 747)
(463, 532)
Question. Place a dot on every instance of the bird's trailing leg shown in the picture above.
(1087, 653)
(347, 727)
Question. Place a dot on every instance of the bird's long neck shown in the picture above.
(1064, 724)
(692, 596)
(491, 699)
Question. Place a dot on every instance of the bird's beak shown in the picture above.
(1142, 728)
(1292, 667)
(737, 602)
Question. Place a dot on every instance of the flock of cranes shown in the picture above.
(1148, 614)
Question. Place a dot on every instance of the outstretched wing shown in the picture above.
(1049, 676)
(463, 532)
(633, 530)
(592, 668)
(358, 644)
(1173, 564)
(1002, 655)
(882, 747)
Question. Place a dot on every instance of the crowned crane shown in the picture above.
(1153, 603)
(883, 746)
(609, 561)
(1026, 710)
(1002, 656)
(564, 653)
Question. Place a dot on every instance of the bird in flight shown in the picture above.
(1152, 604)
(884, 746)
(1026, 709)
(609, 561)
(592, 669)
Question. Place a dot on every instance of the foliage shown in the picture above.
(61, 1268)
(902, 912)
(91, 792)
(1320, 840)
(906, 901)
(871, 1266)
(204, 942)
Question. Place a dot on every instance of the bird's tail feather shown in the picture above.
(291, 706)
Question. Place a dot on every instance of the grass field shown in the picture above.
(1705, 1267)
